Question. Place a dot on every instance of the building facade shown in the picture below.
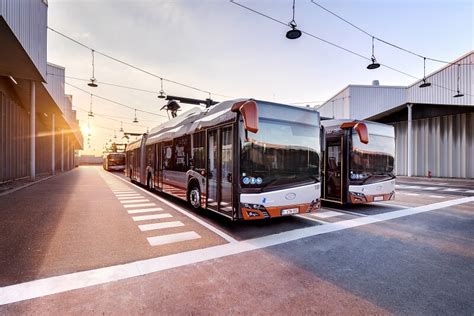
(434, 126)
(39, 131)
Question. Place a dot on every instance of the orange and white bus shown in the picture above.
(114, 161)
(358, 162)
(244, 159)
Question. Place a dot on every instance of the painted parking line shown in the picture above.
(470, 191)
(431, 188)
(139, 205)
(145, 210)
(78, 280)
(410, 194)
(436, 196)
(164, 225)
(134, 201)
(128, 194)
(149, 217)
(326, 214)
(172, 238)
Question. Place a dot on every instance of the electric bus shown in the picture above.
(244, 159)
(358, 162)
(114, 162)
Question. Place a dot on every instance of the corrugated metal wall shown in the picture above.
(27, 19)
(337, 106)
(55, 86)
(367, 101)
(443, 145)
(14, 140)
(444, 85)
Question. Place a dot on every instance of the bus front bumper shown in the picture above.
(374, 192)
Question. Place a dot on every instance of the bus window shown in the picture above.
(198, 157)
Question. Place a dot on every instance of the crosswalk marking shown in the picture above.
(153, 216)
(172, 238)
(139, 205)
(134, 201)
(326, 214)
(130, 197)
(145, 210)
(154, 226)
(452, 190)
(127, 195)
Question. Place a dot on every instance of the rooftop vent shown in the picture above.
(375, 83)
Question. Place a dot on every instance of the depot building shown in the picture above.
(434, 125)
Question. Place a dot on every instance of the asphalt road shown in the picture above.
(79, 243)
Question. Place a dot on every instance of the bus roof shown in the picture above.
(193, 120)
(373, 128)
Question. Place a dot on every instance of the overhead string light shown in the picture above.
(374, 64)
(458, 91)
(115, 134)
(121, 126)
(90, 113)
(135, 120)
(162, 92)
(425, 83)
(294, 33)
(92, 81)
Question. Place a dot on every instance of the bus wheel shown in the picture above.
(194, 197)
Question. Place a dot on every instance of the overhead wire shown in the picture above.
(136, 67)
(113, 101)
(334, 44)
(381, 39)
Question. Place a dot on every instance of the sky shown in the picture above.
(220, 47)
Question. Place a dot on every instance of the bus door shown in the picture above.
(333, 170)
(220, 167)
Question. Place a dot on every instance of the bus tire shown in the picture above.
(130, 174)
(194, 196)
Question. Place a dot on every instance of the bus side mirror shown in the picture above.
(249, 111)
(361, 130)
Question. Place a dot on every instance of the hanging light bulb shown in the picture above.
(90, 113)
(458, 94)
(92, 82)
(425, 83)
(115, 135)
(374, 64)
(294, 33)
(121, 126)
(162, 92)
(135, 120)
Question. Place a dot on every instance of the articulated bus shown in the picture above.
(358, 159)
(114, 162)
(244, 159)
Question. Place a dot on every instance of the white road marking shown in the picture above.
(304, 216)
(411, 194)
(412, 187)
(145, 210)
(227, 237)
(130, 197)
(353, 213)
(139, 205)
(127, 194)
(134, 201)
(385, 204)
(327, 214)
(147, 227)
(436, 196)
(78, 280)
(452, 190)
(153, 216)
(430, 188)
(470, 191)
(172, 238)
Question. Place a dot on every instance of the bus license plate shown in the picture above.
(378, 198)
(290, 211)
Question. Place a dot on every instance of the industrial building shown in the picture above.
(39, 132)
(434, 125)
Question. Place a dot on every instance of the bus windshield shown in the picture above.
(281, 153)
(373, 159)
(116, 159)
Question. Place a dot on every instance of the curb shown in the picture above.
(26, 185)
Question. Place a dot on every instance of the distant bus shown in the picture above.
(244, 159)
(114, 162)
(358, 162)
